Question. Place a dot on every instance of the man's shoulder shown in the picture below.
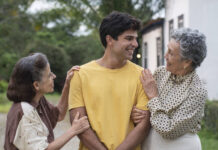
(88, 64)
(135, 67)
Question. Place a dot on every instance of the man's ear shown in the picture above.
(36, 85)
(109, 39)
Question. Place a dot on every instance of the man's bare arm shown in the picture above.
(137, 135)
(88, 138)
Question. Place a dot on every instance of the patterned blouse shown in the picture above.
(30, 128)
(179, 107)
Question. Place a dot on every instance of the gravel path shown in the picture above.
(61, 127)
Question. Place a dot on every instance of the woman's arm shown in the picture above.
(78, 126)
(89, 137)
(179, 121)
(63, 102)
(31, 132)
(176, 122)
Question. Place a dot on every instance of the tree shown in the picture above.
(59, 61)
(93, 11)
(84, 49)
(15, 31)
(53, 31)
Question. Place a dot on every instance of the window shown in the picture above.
(170, 28)
(159, 52)
(180, 21)
(145, 55)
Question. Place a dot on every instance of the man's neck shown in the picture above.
(111, 62)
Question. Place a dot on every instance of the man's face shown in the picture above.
(124, 46)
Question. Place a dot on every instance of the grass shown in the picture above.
(54, 97)
(5, 108)
(208, 139)
(5, 104)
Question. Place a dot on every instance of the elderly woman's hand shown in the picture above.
(149, 84)
(79, 125)
(70, 74)
(137, 115)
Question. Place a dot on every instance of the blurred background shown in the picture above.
(67, 32)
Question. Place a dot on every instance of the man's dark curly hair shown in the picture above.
(115, 24)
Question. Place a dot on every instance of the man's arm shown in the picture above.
(137, 135)
(88, 138)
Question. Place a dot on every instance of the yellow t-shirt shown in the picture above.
(108, 96)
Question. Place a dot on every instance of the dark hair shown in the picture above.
(115, 24)
(26, 71)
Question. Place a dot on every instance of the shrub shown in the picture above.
(3, 86)
(210, 120)
(7, 62)
(59, 60)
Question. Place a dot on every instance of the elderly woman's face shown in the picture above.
(174, 63)
(46, 85)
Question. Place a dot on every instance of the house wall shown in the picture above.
(175, 8)
(204, 17)
(201, 15)
(198, 14)
(150, 39)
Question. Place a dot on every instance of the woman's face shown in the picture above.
(46, 85)
(174, 63)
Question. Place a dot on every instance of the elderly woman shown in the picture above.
(176, 95)
(31, 119)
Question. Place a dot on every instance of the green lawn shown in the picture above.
(5, 104)
(209, 143)
(208, 140)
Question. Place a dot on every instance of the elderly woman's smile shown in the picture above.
(174, 61)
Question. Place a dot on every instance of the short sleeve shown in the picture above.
(142, 99)
(52, 112)
(31, 133)
(75, 94)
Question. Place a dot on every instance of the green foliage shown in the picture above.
(3, 99)
(208, 140)
(3, 86)
(4, 108)
(7, 62)
(59, 61)
(52, 31)
(93, 11)
(84, 49)
(210, 120)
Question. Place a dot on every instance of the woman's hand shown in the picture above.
(137, 115)
(70, 74)
(80, 125)
(149, 84)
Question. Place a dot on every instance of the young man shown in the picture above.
(107, 89)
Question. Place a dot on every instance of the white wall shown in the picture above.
(204, 17)
(175, 8)
(150, 39)
(201, 15)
